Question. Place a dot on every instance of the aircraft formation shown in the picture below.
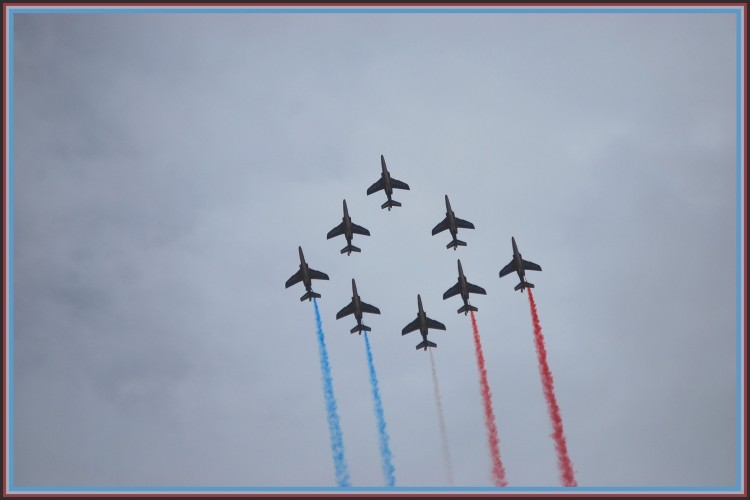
(357, 307)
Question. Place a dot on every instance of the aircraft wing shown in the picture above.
(463, 223)
(367, 308)
(296, 278)
(376, 187)
(454, 290)
(346, 311)
(507, 269)
(396, 184)
(475, 289)
(530, 266)
(316, 275)
(442, 226)
(336, 231)
(414, 325)
(358, 230)
(435, 325)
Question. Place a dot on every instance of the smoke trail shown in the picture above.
(385, 452)
(563, 461)
(337, 440)
(498, 471)
(441, 420)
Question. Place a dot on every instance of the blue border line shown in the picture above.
(429, 489)
(11, 12)
(372, 10)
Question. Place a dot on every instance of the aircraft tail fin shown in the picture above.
(455, 244)
(390, 203)
(425, 344)
(309, 296)
(465, 309)
(522, 285)
(348, 249)
(360, 329)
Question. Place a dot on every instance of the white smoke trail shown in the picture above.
(441, 420)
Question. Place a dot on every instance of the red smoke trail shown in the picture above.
(498, 471)
(563, 461)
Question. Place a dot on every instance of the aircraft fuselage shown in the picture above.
(451, 218)
(386, 179)
(462, 281)
(305, 273)
(421, 315)
(518, 260)
(356, 302)
(348, 233)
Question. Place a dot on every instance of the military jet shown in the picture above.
(348, 229)
(388, 184)
(357, 307)
(519, 265)
(464, 288)
(422, 323)
(306, 275)
(452, 223)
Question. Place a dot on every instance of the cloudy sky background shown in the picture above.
(167, 166)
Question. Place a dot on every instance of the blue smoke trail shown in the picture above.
(385, 452)
(337, 440)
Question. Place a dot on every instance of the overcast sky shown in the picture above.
(167, 166)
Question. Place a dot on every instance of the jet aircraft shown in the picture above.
(422, 323)
(452, 223)
(306, 275)
(464, 288)
(348, 229)
(519, 265)
(357, 307)
(388, 184)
